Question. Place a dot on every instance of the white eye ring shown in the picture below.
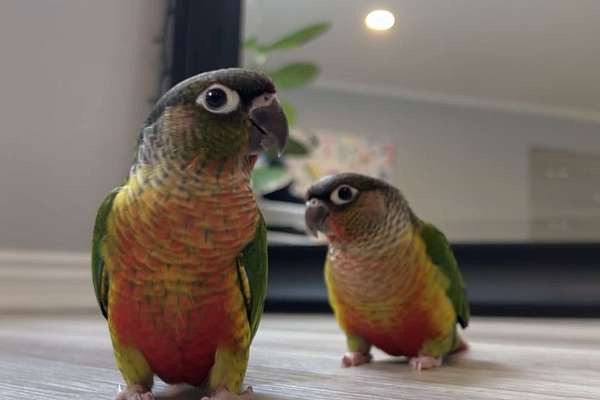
(344, 199)
(224, 105)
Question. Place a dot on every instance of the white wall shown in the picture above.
(75, 83)
(76, 77)
(465, 169)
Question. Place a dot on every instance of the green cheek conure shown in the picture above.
(179, 258)
(392, 279)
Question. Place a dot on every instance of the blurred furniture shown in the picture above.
(502, 279)
(512, 279)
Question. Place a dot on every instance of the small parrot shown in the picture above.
(179, 251)
(392, 279)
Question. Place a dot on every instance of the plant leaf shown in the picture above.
(289, 111)
(295, 148)
(251, 43)
(267, 178)
(294, 75)
(299, 37)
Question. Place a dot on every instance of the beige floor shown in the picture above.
(298, 357)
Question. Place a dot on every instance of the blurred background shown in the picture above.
(485, 114)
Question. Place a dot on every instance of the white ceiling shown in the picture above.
(540, 56)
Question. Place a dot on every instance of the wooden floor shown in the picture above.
(298, 357)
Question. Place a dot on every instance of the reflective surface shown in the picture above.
(491, 109)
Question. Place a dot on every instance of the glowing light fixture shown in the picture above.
(380, 20)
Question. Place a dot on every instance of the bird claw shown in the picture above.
(134, 392)
(424, 362)
(355, 358)
(223, 394)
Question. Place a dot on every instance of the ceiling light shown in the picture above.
(380, 20)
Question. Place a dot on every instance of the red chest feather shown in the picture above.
(403, 337)
(177, 335)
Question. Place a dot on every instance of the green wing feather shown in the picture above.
(253, 264)
(441, 254)
(99, 273)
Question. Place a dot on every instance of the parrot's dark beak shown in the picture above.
(269, 125)
(316, 216)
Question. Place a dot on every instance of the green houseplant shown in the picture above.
(270, 174)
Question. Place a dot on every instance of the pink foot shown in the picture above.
(135, 392)
(424, 362)
(223, 394)
(354, 358)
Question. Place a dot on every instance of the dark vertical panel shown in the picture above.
(206, 36)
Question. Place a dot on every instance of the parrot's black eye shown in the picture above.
(343, 194)
(219, 99)
(216, 98)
